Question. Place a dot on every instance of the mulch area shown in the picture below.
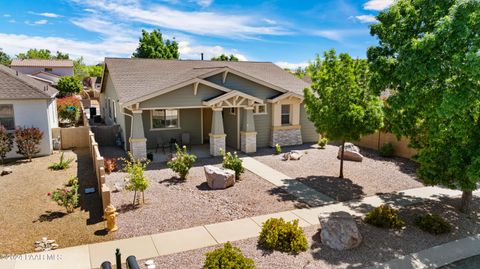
(172, 204)
(28, 214)
(319, 169)
(379, 245)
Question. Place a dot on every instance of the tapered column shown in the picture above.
(217, 135)
(138, 142)
(248, 135)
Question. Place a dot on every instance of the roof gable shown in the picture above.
(41, 63)
(15, 85)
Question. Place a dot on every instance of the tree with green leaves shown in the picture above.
(339, 101)
(69, 85)
(81, 70)
(430, 63)
(226, 58)
(5, 58)
(151, 45)
(42, 54)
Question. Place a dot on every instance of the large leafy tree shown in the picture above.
(339, 101)
(429, 58)
(4, 58)
(223, 57)
(69, 85)
(152, 45)
(81, 70)
(43, 54)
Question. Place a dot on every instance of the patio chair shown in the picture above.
(161, 144)
(186, 140)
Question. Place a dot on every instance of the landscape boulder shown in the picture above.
(292, 155)
(219, 178)
(339, 231)
(352, 153)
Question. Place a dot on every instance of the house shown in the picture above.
(27, 102)
(241, 105)
(47, 71)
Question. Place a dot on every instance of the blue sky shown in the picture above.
(288, 33)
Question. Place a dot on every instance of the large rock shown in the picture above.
(352, 153)
(292, 155)
(219, 178)
(339, 231)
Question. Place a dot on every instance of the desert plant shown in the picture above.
(278, 149)
(385, 217)
(68, 109)
(66, 197)
(135, 179)
(228, 257)
(72, 180)
(27, 140)
(284, 236)
(182, 162)
(110, 165)
(231, 161)
(62, 164)
(322, 142)
(6, 142)
(386, 150)
(433, 223)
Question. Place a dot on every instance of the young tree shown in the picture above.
(339, 103)
(69, 85)
(4, 58)
(6, 142)
(27, 140)
(135, 179)
(226, 58)
(151, 45)
(431, 64)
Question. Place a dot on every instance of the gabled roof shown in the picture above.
(15, 85)
(137, 78)
(41, 63)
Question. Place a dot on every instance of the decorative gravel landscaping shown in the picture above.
(319, 169)
(379, 245)
(172, 204)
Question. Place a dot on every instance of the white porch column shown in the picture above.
(138, 142)
(217, 135)
(248, 135)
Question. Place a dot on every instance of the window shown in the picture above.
(165, 119)
(232, 111)
(260, 109)
(285, 114)
(6, 117)
(46, 69)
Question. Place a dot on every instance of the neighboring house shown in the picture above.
(242, 105)
(48, 71)
(27, 102)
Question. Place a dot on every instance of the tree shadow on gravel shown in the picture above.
(172, 181)
(284, 196)
(340, 189)
(50, 216)
(127, 208)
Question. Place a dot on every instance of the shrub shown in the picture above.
(182, 162)
(228, 257)
(385, 217)
(6, 142)
(68, 109)
(110, 165)
(69, 85)
(27, 140)
(278, 149)
(73, 180)
(433, 223)
(386, 150)
(135, 179)
(322, 142)
(67, 197)
(284, 236)
(62, 164)
(231, 161)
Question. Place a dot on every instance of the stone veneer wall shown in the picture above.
(286, 137)
(138, 147)
(248, 142)
(217, 142)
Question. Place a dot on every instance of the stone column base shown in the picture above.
(285, 136)
(248, 142)
(138, 148)
(217, 142)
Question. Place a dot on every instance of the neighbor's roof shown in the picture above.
(41, 63)
(15, 85)
(134, 78)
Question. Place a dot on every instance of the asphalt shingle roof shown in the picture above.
(134, 78)
(15, 85)
(41, 63)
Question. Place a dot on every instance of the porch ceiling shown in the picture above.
(233, 99)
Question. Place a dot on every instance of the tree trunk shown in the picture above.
(466, 202)
(134, 197)
(341, 159)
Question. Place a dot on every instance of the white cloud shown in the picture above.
(46, 14)
(6, 15)
(12, 21)
(377, 4)
(292, 66)
(203, 3)
(339, 35)
(366, 18)
(41, 22)
(189, 51)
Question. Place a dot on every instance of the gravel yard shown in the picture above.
(319, 169)
(171, 204)
(379, 245)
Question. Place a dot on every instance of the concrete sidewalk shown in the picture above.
(149, 246)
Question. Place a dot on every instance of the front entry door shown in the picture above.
(207, 124)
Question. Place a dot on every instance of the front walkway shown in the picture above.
(145, 247)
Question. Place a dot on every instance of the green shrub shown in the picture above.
(62, 164)
(284, 236)
(228, 257)
(69, 85)
(386, 150)
(6, 142)
(278, 149)
(385, 217)
(68, 109)
(433, 223)
(66, 197)
(182, 162)
(135, 179)
(322, 142)
(72, 180)
(231, 161)
(27, 140)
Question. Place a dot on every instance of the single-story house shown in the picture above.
(27, 102)
(47, 71)
(241, 105)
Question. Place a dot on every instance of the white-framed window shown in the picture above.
(233, 111)
(285, 117)
(260, 110)
(165, 119)
(7, 118)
